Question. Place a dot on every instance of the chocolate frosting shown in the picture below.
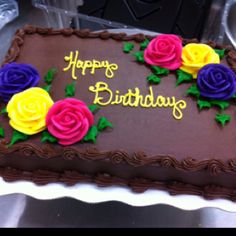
(138, 185)
(146, 148)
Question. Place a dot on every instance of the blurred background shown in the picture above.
(201, 19)
(179, 17)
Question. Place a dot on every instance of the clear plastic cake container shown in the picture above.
(64, 14)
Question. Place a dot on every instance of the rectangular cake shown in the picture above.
(116, 109)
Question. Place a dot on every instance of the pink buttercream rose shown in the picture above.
(69, 120)
(164, 51)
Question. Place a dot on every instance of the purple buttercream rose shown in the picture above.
(216, 81)
(15, 78)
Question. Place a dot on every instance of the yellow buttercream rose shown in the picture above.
(195, 56)
(27, 110)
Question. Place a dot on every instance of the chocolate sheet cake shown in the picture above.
(116, 109)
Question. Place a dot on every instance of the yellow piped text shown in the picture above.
(74, 63)
(105, 96)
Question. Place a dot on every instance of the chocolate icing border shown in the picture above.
(18, 40)
(138, 185)
(48, 151)
(137, 159)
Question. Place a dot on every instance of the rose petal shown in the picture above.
(77, 137)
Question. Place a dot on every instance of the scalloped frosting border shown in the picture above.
(138, 185)
(214, 166)
(137, 159)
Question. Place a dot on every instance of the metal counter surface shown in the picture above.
(19, 210)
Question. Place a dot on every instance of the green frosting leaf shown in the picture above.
(103, 123)
(93, 108)
(70, 90)
(17, 136)
(234, 96)
(2, 133)
(220, 52)
(144, 44)
(221, 104)
(47, 87)
(128, 47)
(47, 137)
(91, 136)
(139, 56)
(4, 110)
(159, 70)
(153, 79)
(182, 77)
(48, 78)
(203, 104)
(222, 118)
(193, 90)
